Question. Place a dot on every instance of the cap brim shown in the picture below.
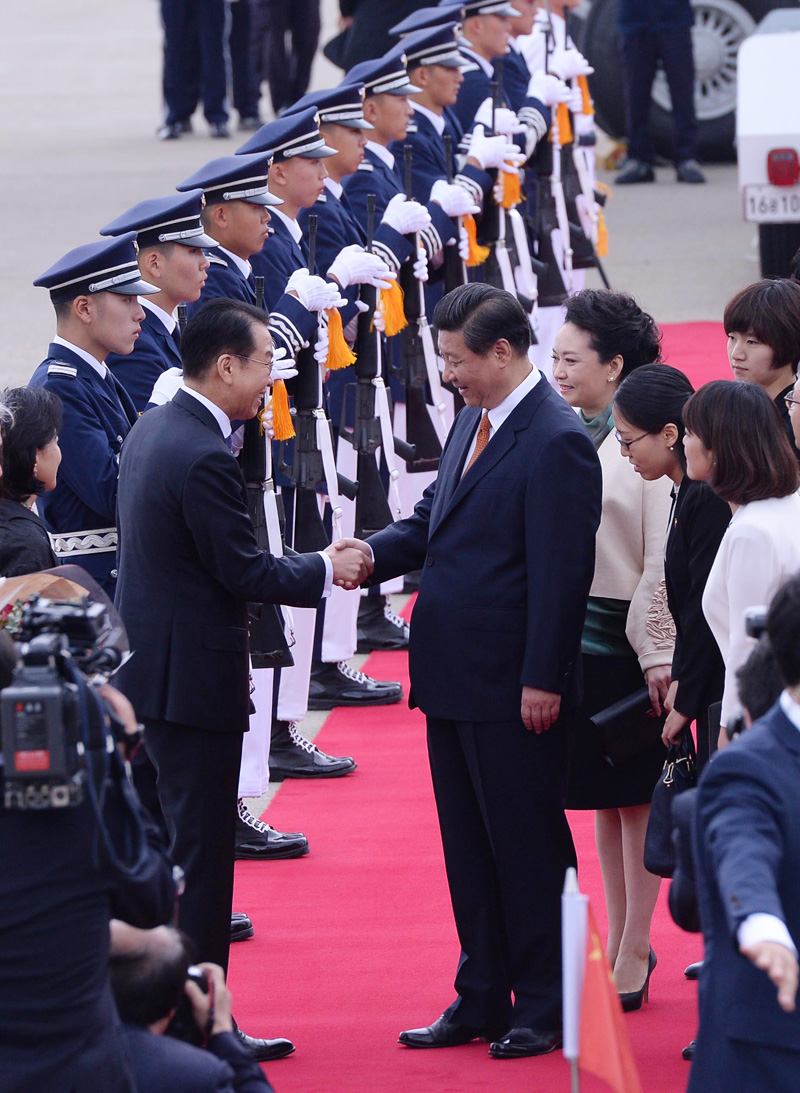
(134, 288)
(354, 123)
(453, 60)
(263, 199)
(405, 90)
(198, 241)
(316, 153)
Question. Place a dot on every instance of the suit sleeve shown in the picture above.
(562, 505)
(401, 547)
(696, 654)
(218, 520)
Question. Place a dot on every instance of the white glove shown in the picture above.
(378, 321)
(406, 216)
(569, 63)
(583, 124)
(421, 265)
(166, 385)
(506, 121)
(454, 199)
(314, 293)
(492, 151)
(548, 89)
(282, 365)
(362, 307)
(463, 244)
(575, 100)
(353, 266)
(321, 344)
(268, 419)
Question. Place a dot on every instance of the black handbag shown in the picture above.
(678, 775)
(628, 727)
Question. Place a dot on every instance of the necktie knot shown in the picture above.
(481, 440)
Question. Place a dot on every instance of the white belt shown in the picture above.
(73, 544)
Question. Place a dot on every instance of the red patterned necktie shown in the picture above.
(481, 440)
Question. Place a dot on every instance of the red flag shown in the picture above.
(605, 1049)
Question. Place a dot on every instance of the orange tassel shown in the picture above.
(601, 250)
(339, 352)
(512, 190)
(588, 105)
(391, 306)
(564, 124)
(282, 424)
(477, 253)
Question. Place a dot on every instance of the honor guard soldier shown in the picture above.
(94, 291)
(170, 238)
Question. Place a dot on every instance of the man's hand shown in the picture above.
(486, 152)
(218, 996)
(780, 964)
(406, 216)
(540, 709)
(352, 562)
(313, 292)
(454, 199)
(354, 266)
(658, 679)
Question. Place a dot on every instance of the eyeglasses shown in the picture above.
(264, 364)
(790, 402)
(626, 445)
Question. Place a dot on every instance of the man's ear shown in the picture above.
(83, 308)
(150, 264)
(502, 351)
(224, 367)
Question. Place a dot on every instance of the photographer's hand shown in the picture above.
(218, 996)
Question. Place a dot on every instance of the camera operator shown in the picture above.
(150, 975)
(747, 857)
(67, 866)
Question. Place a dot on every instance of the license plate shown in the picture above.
(771, 204)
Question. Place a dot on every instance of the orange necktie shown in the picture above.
(481, 440)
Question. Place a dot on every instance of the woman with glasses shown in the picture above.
(762, 323)
(735, 442)
(628, 636)
(648, 414)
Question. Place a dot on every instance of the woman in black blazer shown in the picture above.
(30, 459)
(648, 414)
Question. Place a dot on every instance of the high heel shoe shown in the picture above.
(632, 1000)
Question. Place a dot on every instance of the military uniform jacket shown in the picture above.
(155, 351)
(291, 325)
(81, 510)
(429, 163)
(477, 86)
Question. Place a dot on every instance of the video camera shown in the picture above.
(52, 719)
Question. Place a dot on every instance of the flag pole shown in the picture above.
(574, 929)
(576, 1076)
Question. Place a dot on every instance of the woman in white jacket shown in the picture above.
(628, 636)
(735, 441)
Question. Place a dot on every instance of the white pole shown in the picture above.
(574, 916)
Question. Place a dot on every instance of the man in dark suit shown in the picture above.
(747, 856)
(189, 565)
(505, 541)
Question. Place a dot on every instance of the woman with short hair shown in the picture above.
(735, 441)
(30, 459)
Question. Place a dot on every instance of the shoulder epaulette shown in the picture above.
(365, 166)
(59, 368)
(471, 67)
(412, 127)
(322, 197)
(215, 260)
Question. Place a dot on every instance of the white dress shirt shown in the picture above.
(499, 413)
(100, 367)
(382, 153)
(295, 230)
(241, 264)
(436, 120)
(169, 321)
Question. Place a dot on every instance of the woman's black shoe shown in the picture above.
(632, 1000)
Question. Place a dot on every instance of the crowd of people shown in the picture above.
(386, 285)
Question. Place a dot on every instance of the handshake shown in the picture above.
(352, 562)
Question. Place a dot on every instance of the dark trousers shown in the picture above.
(244, 84)
(194, 59)
(285, 35)
(641, 52)
(507, 846)
(197, 782)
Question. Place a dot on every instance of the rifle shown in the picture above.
(372, 428)
(490, 225)
(182, 317)
(556, 184)
(419, 363)
(455, 271)
(312, 457)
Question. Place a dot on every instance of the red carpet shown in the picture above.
(356, 941)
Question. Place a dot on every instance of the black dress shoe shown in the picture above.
(379, 627)
(632, 1000)
(241, 927)
(442, 1033)
(185, 125)
(519, 1043)
(293, 755)
(688, 1051)
(693, 970)
(340, 685)
(635, 171)
(219, 130)
(689, 171)
(258, 841)
(250, 125)
(170, 131)
(263, 1051)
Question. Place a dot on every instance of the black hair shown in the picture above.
(616, 325)
(742, 426)
(219, 326)
(759, 680)
(771, 309)
(483, 315)
(36, 419)
(654, 396)
(783, 627)
(148, 983)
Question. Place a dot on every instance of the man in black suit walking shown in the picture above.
(189, 565)
(505, 542)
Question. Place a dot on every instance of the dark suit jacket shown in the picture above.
(189, 564)
(161, 1064)
(507, 558)
(747, 857)
(24, 542)
(154, 352)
